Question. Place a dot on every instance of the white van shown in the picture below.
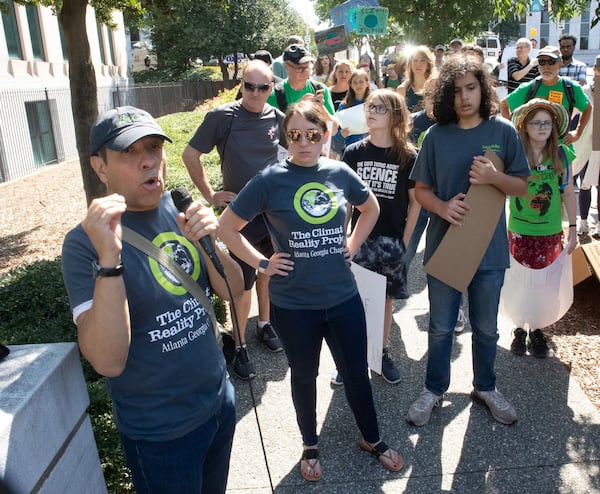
(490, 43)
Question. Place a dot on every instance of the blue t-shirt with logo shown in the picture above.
(305, 211)
(175, 375)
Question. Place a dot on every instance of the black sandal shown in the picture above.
(379, 451)
(308, 455)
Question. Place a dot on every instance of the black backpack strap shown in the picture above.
(280, 95)
(533, 88)
(569, 93)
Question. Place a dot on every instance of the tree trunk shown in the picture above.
(84, 97)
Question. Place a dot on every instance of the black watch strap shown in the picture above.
(100, 272)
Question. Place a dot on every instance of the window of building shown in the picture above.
(584, 36)
(101, 43)
(111, 45)
(63, 42)
(40, 130)
(11, 32)
(35, 33)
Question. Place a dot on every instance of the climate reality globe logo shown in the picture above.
(315, 203)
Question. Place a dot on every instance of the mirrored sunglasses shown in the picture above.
(312, 136)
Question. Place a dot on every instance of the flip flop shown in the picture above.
(383, 453)
(311, 459)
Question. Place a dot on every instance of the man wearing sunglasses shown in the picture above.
(297, 86)
(554, 88)
(248, 137)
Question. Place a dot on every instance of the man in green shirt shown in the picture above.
(552, 88)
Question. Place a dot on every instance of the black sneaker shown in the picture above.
(269, 337)
(4, 351)
(389, 371)
(536, 344)
(242, 365)
(518, 345)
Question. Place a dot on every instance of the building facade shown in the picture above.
(36, 124)
(538, 25)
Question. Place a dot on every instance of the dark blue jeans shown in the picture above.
(344, 329)
(444, 302)
(197, 463)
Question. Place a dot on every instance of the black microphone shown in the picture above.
(182, 199)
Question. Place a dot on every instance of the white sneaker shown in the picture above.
(461, 321)
(582, 226)
(420, 411)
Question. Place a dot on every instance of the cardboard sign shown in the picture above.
(460, 252)
(345, 14)
(331, 40)
(371, 287)
(371, 20)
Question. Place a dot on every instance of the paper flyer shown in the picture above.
(354, 119)
(537, 298)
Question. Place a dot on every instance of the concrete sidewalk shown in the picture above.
(553, 448)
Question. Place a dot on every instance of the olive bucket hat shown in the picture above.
(560, 117)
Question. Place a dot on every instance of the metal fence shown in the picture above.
(36, 124)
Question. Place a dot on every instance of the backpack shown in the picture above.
(280, 93)
(567, 85)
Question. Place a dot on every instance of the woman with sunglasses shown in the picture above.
(314, 296)
(384, 160)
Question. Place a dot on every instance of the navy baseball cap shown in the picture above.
(120, 127)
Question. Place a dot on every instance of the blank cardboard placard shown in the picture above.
(460, 252)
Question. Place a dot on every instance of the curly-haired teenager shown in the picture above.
(450, 160)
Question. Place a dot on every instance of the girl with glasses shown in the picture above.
(385, 159)
(535, 231)
(314, 296)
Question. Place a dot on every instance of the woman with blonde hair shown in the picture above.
(419, 67)
(340, 81)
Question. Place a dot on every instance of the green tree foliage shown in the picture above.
(187, 29)
(438, 21)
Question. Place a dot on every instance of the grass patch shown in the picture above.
(34, 306)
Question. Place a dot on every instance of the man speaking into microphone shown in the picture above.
(137, 325)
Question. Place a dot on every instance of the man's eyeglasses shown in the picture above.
(541, 124)
(381, 109)
(313, 136)
(263, 88)
(549, 61)
(298, 70)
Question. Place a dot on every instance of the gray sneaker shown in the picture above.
(499, 406)
(461, 321)
(420, 411)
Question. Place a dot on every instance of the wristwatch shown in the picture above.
(263, 265)
(100, 272)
